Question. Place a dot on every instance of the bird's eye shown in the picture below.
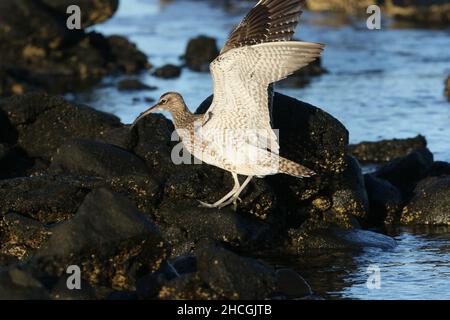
(163, 101)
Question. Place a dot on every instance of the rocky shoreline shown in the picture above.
(78, 187)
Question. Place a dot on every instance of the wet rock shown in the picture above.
(431, 203)
(61, 292)
(233, 276)
(168, 71)
(20, 235)
(291, 285)
(149, 286)
(303, 76)
(187, 287)
(93, 12)
(45, 122)
(91, 158)
(43, 54)
(7, 260)
(349, 192)
(439, 168)
(125, 56)
(386, 150)
(185, 264)
(183, 223)
(385, 201)
(340, 239)
(45, 198)
(405, 172)
(108, 239)
(16, 284)
(447, 88)
(122, 137)
(133, 85)
(200, 52)
(428, 13)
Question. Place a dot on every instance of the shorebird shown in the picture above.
(235, 133)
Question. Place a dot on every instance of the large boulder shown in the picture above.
(386, 150)
(200, 51)
(108, 238)
(40, 52)
(16, 284)
(431, 203)
(422, 12)
(45, 122)
(92, 158)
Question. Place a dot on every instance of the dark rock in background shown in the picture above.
(447, 88)
(200, 52)
(39, 52)
(386, 150)
(133, 85)
(168, 71)
(405, 172)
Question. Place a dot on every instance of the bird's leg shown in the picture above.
(235, 197)
(226, 197)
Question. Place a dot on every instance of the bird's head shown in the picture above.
(170, 101)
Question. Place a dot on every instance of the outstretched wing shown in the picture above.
(241, 78)
(268, 21)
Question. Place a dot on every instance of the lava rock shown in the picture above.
(405, 172)
(168, 71)
(340, 239)
(133, 85)
(183, 223)
(149, 286)
(187, 287)
(232, 276)
(107, 234)
(439, 168)
(349, 192)
(428, 13)
(47, 199)
(93, 12)
(21, 235)
(39, 52)
(60, 291)
(431, 203)
(16, 284)
(46, 122)
(385, 200)
(386, 150)
(447, 88)
(200, 52)
(291, 285)
(91, 158)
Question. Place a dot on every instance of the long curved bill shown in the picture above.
(145, 113)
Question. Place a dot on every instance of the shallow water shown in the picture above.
(381, 84)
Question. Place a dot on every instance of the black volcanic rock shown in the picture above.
(200, 51)
(386, 150)
(168, 71)
(107, 233)
(431, 203)
(40, 53)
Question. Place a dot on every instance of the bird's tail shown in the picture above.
(294, 169)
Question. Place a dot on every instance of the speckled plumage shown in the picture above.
(235, 133)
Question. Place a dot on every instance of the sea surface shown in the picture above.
(381, 84)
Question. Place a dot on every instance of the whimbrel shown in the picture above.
(235, 133)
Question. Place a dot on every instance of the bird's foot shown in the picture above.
(207, 205)
(232, 200)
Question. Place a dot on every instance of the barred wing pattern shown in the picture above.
(268, 21)
(241, 77)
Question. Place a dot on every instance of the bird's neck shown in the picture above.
(184, 119)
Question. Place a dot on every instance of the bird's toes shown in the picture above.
(205, 205)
